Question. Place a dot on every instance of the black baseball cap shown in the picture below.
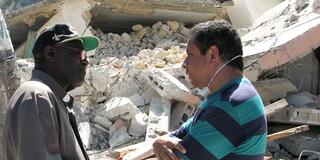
(60, 33)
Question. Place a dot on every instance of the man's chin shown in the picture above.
(74, 85)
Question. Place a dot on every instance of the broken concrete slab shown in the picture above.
(118, 107)
(274, 89)
(159, 117)
(304, 108)
(119, 137)
(276, 38)
(115, 126)
(169, 87)
(103, 121)
(30, 17)
(118, 134)
(138, 125)
(297, 116)
(137, 99)
(107, 14)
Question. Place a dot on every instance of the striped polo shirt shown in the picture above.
(230, 125)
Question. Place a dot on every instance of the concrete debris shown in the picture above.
(274, 89)
(119, 137)
(303, 109)
(85, 134)
(116, 125)
(103, 121)
(138, 125)
(169, 87)
(297, 116)
(137, 100)
(143, 37)
(136, 85)
(181, 112)
(297, 143)
(118, 107)
(159, 116)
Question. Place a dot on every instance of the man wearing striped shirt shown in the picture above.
(230, 122)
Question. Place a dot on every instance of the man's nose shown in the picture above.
(184, 64)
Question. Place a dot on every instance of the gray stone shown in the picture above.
(137, 27)
(174, 25)
(119, 137)
(156, 25)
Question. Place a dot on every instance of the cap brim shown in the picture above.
(88, 42)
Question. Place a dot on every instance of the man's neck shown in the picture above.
(226, 75)
(53, 74)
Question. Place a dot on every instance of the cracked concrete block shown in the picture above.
(297, 116)
(169, 87)
(137, 100)
(138, 125)
(100, 78)
(119, 137)
(125, 88)
(304, 108)
(103, 121)
(118, 107)
(181, 112)
(159, 116)
(85, 134)
(148, 94)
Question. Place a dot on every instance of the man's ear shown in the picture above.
(48, 54)
(213, 53)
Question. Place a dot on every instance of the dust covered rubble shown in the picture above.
(160, 35)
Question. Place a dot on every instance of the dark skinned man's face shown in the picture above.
(71, 63)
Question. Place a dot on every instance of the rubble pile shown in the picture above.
(135, 88)
(160, 35)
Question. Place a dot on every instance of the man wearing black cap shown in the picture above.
(40, 124)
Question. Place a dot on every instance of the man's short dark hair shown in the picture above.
(221, 34)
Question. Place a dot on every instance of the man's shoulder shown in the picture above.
(239, 92)
(31, 88)
(35, 86)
